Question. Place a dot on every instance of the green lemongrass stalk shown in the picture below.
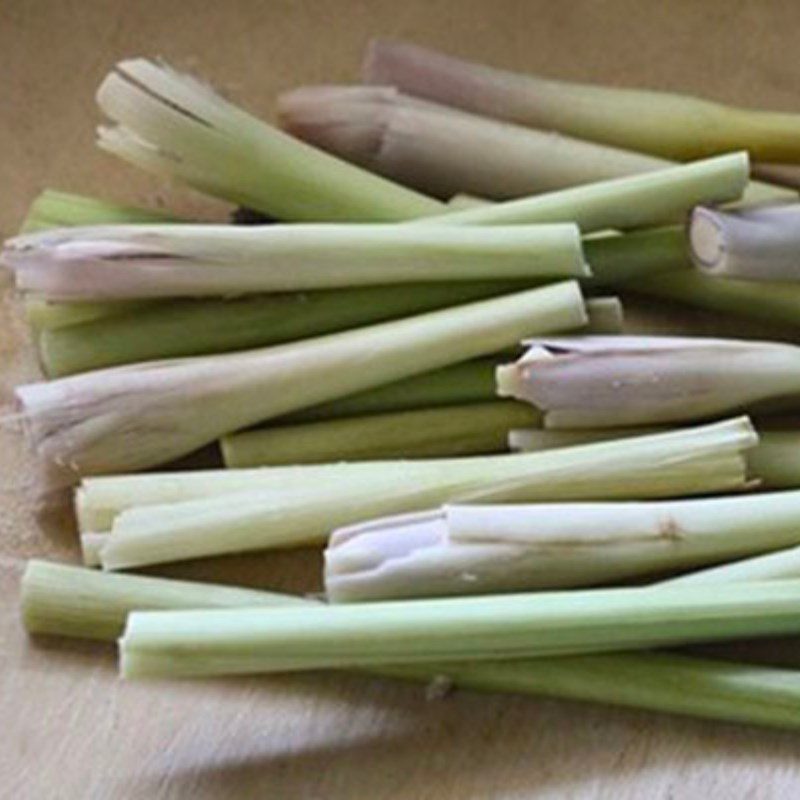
(301, 505)
(69, 601)
(54, 209)
(606, 315)
(787, 175)
(442, 151)
(155, 261)
(774, 461)
(202, 327)
(618, 381)
(759, 244)
(91, 545)
(665, 124)
(100, 500)
(428, 433)
(45, 315)
(772, 302)
(138, 416)
(248, 641)
(72, 601)
(175, 126)
(772, 566)
(653, 198)
(480, 549)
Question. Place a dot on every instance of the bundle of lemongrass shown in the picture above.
(357, 363)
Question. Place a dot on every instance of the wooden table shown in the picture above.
(71, 729)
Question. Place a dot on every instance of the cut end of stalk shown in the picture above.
(706, 239)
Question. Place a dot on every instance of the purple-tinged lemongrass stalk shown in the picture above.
(152, 261)
(444, 151)
(670, 125)
(480, 549)
(175, 126)
(618, 381)
(138, 416)
(761, 244)
(297, 506)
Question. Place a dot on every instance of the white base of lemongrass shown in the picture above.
(246, 641)
(299, 508)
(465, 549)
(123, 262)
(618, 381)
(139, 416)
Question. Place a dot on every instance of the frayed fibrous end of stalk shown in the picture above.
(603, 381)
(173, 125)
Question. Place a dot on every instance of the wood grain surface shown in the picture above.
(70, 728)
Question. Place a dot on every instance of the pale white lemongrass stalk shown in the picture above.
(462, 200)
(100, 500)
(444, 151)
(138, 416)
(246, 641)
(301, 505)
(771, 566)
(91, 545)
(480, 549)
(68, 601)
(774, 461)
(665, 124)
(653, 198)
(761, 244)
(618, 381)
(175, 126)
(152, 261)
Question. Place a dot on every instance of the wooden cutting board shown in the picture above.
(71, 729)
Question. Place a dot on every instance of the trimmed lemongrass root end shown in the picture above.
(138, 416)
(669, 125)
(427, 433)
(759, 244)
(297, 506)
(247, 641)
(175, 126)
(474, 549)
(596, 381)
(654, 198)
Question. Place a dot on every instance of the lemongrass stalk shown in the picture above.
(443, 151)
(779, 565)
(134, 417)
(202, 327)
(606, 315)
(44, 315)
(295, 507)
(787, 175)
(69, 601)
(479, 549)
(670, 125)
(618, 381)
(759, 244)
(774, 461)
(154, 261)
(54, 209)
(175, 126)
(654, 198)
(91, 545)
(448, 431)
(248, 641)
